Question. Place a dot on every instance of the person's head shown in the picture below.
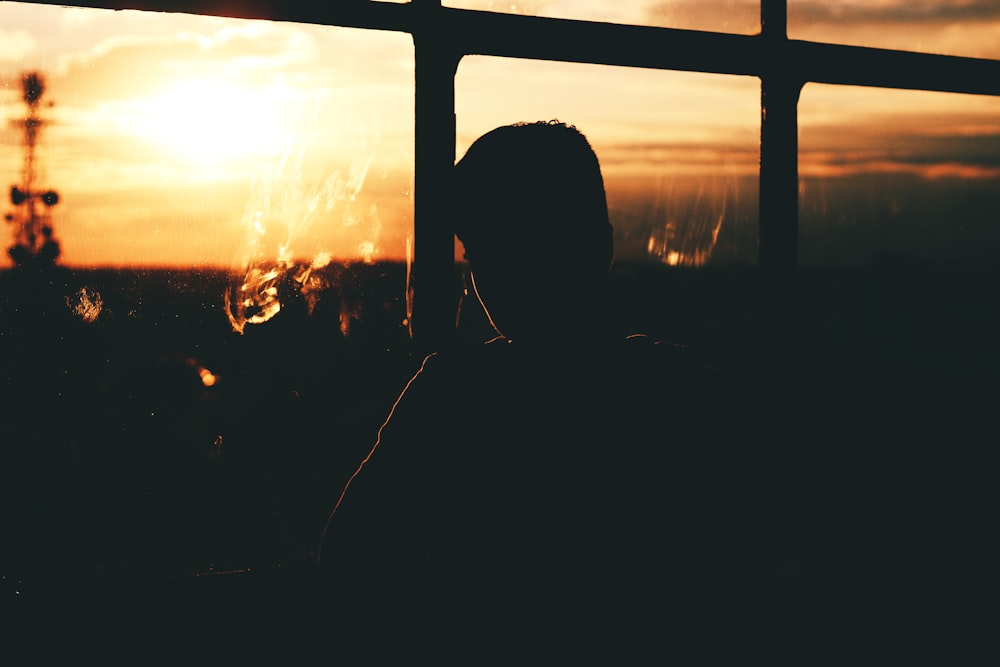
(532, 214)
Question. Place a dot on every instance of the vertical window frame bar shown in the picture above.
(778, 218)
(434, 297)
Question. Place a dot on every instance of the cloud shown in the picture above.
(851, 129)
(16, 45)
(739, 16)
(687, 157)
(961, 27)
(611, 105)
(928, 153)
(78, 18)
(869, 13)
(264, 46)
(327, 81)
(736, 16)
(133, 65)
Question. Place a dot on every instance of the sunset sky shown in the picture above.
(194, 141)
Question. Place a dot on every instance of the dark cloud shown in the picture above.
(896, 12)
(978, 151)
(968, 139)
(970, 155)
(740, 15)
(666, 153)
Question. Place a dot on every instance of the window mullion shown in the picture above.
(434, 297)
(779, 182)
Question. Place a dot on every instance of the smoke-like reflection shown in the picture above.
(86, 304)
(282, 259)
(688, 231)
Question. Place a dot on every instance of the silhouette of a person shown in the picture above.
(560, 487)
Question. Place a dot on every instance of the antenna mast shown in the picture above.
(34, 242)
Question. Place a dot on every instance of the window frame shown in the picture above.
(442, 36)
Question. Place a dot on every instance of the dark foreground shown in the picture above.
(141, 502)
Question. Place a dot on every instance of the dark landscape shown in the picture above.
(122, 464)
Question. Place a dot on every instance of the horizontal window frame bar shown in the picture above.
(474, 32)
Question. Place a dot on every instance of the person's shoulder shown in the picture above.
(466, 359)
(646, 350)
(643, 343)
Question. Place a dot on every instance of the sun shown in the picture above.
(207, 120)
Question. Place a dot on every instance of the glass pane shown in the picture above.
(734, 16)
(217, 336)
(931, 26)
(898, 285)
(898, 238)
(680, 156)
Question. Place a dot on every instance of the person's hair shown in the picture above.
(532, 185)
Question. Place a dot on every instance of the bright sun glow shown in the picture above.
(208, 120)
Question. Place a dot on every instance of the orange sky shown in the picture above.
(183, 140)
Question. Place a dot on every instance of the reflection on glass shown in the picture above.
(898, 241)
(680, 155)
(931, 26)
(683, 220)
(733, 16)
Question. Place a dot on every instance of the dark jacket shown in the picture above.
(568, 495)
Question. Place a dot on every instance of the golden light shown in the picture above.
(207, 120)
(366, 249)
(86, 304)
(207, 377)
